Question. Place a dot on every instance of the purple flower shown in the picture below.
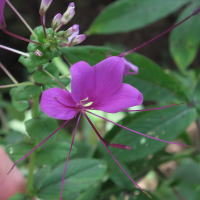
(44, 6)
(72, 32)
(2, 20)
(76, 40)
(93, 88)
(56, 21)
(129, 66)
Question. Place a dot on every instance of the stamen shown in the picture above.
(146, 43)
(119, 146)
(14, 50)
(136, 131)
(63, 178)
(153, 108)
(114, 157)
(37, 146)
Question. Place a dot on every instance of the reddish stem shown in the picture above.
(42, 22)
(19, 37)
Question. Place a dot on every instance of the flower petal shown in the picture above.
(125, 97)
(58, 103)
(83, 80)
(128, 66)
(108, 77)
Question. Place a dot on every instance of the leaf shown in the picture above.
(91, 193)
(27, 62)
(151, 81)
(19, 105)
(81, 174)
(165, 124)
(28, 92)
(127, 15)
(18, 196)
(40, 32)
(39, 60)
(40, 176)
(40, 128)
(54, 153)
(43, 78)
(184, 40)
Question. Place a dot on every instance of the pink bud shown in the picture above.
(67, 16)
(72, 32)
(78, 39)
(56, 21)
(44, 6)
(2, 21)
(38, 53)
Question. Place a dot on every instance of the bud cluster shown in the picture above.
(53, 42)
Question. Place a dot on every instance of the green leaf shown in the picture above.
(40, 128)
(165, 124)
(43, 78)
(127, 15)
(151, 80)
(54, 153)
(90, 194)
(39, 60)
(40, 176)
(184, 40)
(18, 196)
(40, 33)
(27, 62)
(28, 92)
(80, 175)
(13, 137)
(19, 105)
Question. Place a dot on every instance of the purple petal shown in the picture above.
(108, 75)
(76, 28)
(128, 66)
(58, 103)
(126, 96)
(2, 22)
(83, 80)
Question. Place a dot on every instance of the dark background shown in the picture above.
(86, 12)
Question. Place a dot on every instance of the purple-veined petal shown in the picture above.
(83, 80)
(108, 77)
(58, 103)
(75, 28)
(2, 21)
(126, 96)
(128, 66)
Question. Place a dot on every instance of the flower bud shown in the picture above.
(77, 40)
(2, 21)
(56, 21)
(44, 6)
(67, 16)
(38, 53)
(60, 34)
(72, 31)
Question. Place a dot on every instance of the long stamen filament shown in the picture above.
(153, 108)
(14, 50)
(168, 30)
(136, 131)
(63, 178)
(9, 74)
(119, 146)
(114, 157)
(23, 20)
(37, 146)
(19, 37)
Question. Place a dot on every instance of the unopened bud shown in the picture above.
(56, 21)
(44, 6)
(53, 49)
(72, 31)
(77, 40)
(67, 16)
(38, 53)
(196, 11)
(60, 33)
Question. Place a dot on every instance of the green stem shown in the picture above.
(66, 75)
(16, 85)
(35, 114)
